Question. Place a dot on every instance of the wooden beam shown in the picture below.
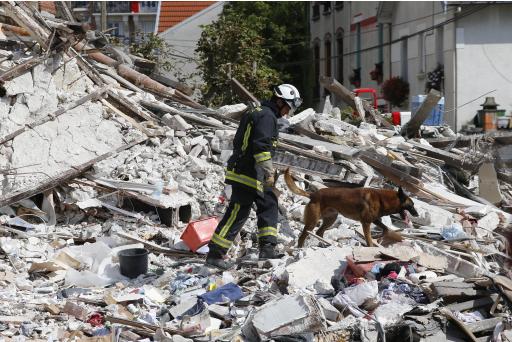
(449, 158)
(140, 325)
(64, 177)
(448, 314)
(335, 87)
(243, 92)
(130, 106)
(91, 97)
(25, 20)
(127, 118)
(473, 304)
(185, 89)
(504, 138)
(22, 68)
(485, 325)
(159, 249)
(340, 151)
(163, 108)
(412, 128)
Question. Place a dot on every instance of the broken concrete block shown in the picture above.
(196, 151)
(75, 310)
(198, 140)
(288, 315)
(317, 265)
(52, 309)
(197, 165)
(222, 140)
(429, 215)
(330, 312)
(233, 111)
(455, 264)
(20, 85)
(297, 118)
(176, 122)
(489, 187)
(489, 223)
(323, 288)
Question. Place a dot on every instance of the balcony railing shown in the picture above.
(125, 7)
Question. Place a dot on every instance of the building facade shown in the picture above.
(184, 35)
(126, 19)
(363, 44)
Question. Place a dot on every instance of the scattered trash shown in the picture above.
(112, 184)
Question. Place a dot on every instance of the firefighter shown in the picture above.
(250, 173)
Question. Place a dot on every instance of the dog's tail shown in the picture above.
(292, 186)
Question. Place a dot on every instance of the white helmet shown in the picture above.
(290, 94)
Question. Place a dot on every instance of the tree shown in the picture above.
(153, 48)
(256, 44)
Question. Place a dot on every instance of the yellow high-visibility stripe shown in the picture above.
(221, 242)
(245, 180)
(247, 134)
(267, 231)
(230, 221)
(260, 157)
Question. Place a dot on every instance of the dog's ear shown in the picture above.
(401, 195)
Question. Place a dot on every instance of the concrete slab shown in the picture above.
(317, 265)
(488, 186)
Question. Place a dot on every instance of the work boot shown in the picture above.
(216, 259)
(268, 251)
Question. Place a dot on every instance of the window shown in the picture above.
(327, 7)
(338, 5)
(118, 29)
(421, 53)
(147, 27)
(404, 60)
(328, 56)
(440, 45)
(148, 6)
(316, 11)
(380, 57)
(358, 45)
(339, 53)
(316, 56)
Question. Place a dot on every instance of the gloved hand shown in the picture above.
(268, 172)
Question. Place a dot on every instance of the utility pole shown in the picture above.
(103, 16)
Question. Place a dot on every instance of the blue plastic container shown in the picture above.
(436, 115)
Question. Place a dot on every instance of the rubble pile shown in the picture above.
(103, 166)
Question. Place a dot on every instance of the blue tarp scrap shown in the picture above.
(230, 292)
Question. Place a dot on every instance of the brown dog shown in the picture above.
(365, 205)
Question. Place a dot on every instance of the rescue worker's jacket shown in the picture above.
(255, 142)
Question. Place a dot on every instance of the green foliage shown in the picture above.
(154, 48)
(257, 44)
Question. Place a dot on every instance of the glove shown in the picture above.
(268, 172)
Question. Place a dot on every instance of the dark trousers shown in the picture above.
(237, 213)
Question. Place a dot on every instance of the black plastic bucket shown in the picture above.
(133, 262)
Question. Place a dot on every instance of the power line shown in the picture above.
(392, 41)
(345, 36)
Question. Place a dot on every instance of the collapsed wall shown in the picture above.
(46, 150)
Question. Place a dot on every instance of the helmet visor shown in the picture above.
(295, 103)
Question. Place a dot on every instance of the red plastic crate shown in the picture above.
(199, 233)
